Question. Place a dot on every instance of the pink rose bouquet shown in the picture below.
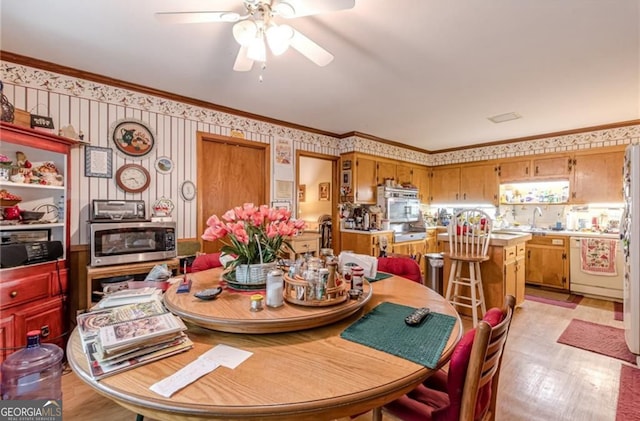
(254, 234)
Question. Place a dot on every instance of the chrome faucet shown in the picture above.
(539, 212)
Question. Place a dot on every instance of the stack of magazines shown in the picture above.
(119, 338)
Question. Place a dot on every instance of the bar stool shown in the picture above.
(469, 236)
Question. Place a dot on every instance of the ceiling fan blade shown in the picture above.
(310, 49)
(198, 17)
(243, 62)
(298, 8)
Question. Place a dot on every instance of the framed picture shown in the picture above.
(345, 185)
(188, 190)
(324, 191)
(346, 165)
(98, 162)
(164, 165)
(132, 138)
(281, 205)
(302, 192)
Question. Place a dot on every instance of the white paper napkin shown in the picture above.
(224, 355)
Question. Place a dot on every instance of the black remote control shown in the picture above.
(208, 294)
(417, 316)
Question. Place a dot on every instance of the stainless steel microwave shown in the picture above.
(116, 243)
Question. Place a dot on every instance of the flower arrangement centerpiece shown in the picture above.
(255, 236)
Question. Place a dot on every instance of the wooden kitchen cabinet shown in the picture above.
(416, 175)
(514, 170)
(367, 172)
(552, 167)
(385, 170)
(597, 177)
(364, 180)
(404, 173)
(6, 336)
(465, 184)
(34, 296)
(308, 242)
(410, 248)
(479, 184)
(420, 179)
(367, 242)
(445, 184)
(514, 271)
(547, 262)
(535, 168)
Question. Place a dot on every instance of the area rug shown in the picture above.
(618, 311)
(571, 300)
(601, 339)
(629, 390)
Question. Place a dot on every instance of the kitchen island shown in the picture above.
(502, 274)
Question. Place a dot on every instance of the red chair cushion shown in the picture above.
(440, 396)
(206, 261)
(401, 266)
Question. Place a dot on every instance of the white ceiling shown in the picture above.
(426, 73)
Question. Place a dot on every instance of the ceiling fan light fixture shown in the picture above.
(279, 38)
(257, 50)
(245, 32)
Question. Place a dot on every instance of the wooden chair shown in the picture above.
(469, 236)
(469, 390)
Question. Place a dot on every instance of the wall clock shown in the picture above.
(133, 178)
(188, 191)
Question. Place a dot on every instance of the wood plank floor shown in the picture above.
(540, 379)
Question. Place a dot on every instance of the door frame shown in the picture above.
(335, 192)
(202, 137)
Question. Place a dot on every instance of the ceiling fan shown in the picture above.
(255, 28)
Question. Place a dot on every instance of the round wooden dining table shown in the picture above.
(306, 374)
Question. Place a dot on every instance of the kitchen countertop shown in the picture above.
(366, 232)
(565, 233)
(502, 238)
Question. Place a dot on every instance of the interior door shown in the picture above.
(230, 172)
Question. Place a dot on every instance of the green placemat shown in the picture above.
(383, 328)
(379, 277)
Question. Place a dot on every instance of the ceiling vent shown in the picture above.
(501, 118)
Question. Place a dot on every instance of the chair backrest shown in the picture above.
(484, 366)
(402, 266)
(470, 233)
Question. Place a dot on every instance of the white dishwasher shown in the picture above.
(596, 267)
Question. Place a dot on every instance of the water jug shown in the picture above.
(33, 372)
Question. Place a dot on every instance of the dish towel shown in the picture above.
(598, 256)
